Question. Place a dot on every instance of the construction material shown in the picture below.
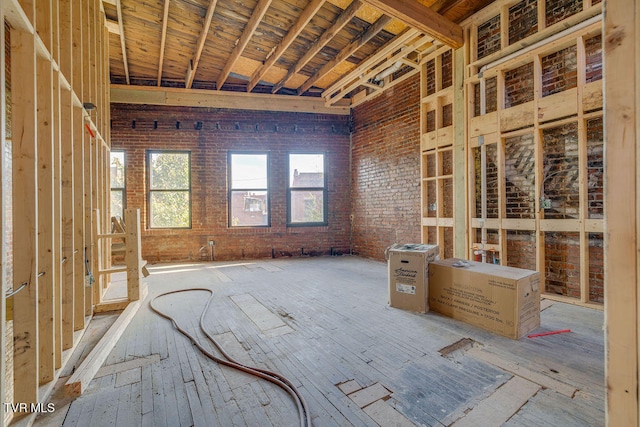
(409, 275)
(504, 300)
(277, 379)
(544, 334)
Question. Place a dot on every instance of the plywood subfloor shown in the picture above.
(355, 360)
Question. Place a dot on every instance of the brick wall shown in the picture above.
(558, 10)
(490, 96)
(593, 52)
(595, 168)
(446, 61)
(489, 37)
(431, 77)
(562, 263)
(523, 20)
(222, 131)
(386, 170)
(518, 85)
(596, 267)
(561, 171)
(521, 249)
(559, 71)
(520, 190)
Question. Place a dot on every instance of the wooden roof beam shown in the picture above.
(191, 72)
(322, 41)
(123, 45)
(163, 39)
(345, 53)
(254, 21)
(308, 13)
(423, 19)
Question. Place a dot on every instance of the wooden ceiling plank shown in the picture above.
(422, 18)
(191, 73)
(329, 34)
(345, 53)
(123, 44)
(163, 39)
(254, 21)
(308, 13)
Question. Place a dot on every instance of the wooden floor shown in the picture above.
(326, 325)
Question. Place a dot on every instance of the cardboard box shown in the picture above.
(500, 299)
(409, 275)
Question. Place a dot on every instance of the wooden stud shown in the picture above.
(57, 216)
(78, 223)
(132, 256)
(25, 217)
(123, 44)
(68, 199)
(620, 41)
(76, 47)
(582, 172)
(44, 23)
(46, 219)
(458, 152)
(3, 207)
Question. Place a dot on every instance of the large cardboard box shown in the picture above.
(409, 275)
(501, 299)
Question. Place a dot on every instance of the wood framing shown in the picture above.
(423, 19)
(193, 66)
(622, 307)
(163, 38)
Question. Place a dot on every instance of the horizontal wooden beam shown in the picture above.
(151, 95)
(423, 19)
(112, 26)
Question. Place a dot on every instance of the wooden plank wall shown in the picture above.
(622, 121)
(60, 164)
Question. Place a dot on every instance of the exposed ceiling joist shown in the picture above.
(163, 39)
(422, 18)
(122, 42)
(346, 52)
(308, 13)
(254, 21)
(322, 41)
(191, 73)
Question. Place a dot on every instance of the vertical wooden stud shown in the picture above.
(459, 138)
(78, 215)
(45, 218)
(67, 207)
(132, 255)
(25, 217)
(3, 207)
(57, 223)
(622, 138)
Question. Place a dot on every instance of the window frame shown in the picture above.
(150, 191)
(324, 189)
(122, 189)
(231, 189)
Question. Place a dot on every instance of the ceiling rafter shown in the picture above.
(252, 25)
(422, 18)
(405, 42)
(193, 66)
(378, 63)
(308, 13)
(123, 45)
(345, 53)
(163, 39)
(322, 41)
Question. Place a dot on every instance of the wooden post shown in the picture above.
(25, 217)
(622, 138)
(57, 222)
(460, 231)
(45, 218)
(78, 223)
(95, 256)
(67, 166)
(3, 225)
(132, 255)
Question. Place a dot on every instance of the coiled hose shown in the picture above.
(277, 379)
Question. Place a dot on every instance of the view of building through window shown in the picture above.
(307, 189)
(249, 189)
(169, 189)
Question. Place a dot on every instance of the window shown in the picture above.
(118, 194)
(249, 190)
(307, 189)
(169, 197)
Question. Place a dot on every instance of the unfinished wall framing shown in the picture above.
(53, 128)
(534, 144)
